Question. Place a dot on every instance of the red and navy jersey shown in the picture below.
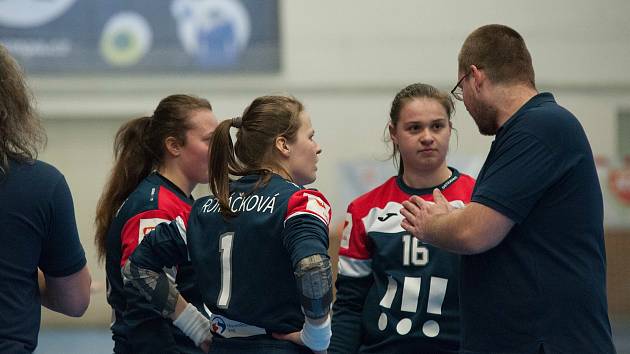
(155, 200)
(396, 294)
(245, 264)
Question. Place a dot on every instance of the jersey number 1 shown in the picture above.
(225, 244)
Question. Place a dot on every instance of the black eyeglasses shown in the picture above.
(457, 91)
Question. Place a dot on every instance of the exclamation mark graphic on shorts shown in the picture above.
(437, 291)
(386, 301)
(409, 302)
(410, 295)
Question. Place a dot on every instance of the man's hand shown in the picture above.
(418, 214)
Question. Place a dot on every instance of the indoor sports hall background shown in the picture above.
(93, 65)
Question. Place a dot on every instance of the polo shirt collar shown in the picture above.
(541, 98)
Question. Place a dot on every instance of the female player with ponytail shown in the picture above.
(158, 161)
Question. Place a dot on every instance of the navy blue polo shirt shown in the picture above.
(37, 229)
(544, 285)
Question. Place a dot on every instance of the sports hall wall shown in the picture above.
(345, 60)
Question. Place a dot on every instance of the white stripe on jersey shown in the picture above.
(388, 219)
(356, 268)
(181, 227)
(305, 213)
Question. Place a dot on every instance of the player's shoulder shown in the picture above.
(309, 201)
(283, 186)
(465, 179)
(154, 197)
(377, 197)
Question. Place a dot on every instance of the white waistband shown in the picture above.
(228, 328)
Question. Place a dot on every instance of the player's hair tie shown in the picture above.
(237, 122)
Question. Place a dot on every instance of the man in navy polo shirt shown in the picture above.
(534, 267)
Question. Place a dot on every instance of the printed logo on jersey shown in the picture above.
(218, 325)
(309, 202)
(347, 229)
(318, 207)
(386, 216)
(147, 225)
(228, 328)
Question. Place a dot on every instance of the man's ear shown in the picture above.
(282, 146)
(173, 147)
(478, 76)
(392, 133)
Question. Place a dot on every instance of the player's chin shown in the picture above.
(310, 178)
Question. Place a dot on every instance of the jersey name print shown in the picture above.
(248, 259)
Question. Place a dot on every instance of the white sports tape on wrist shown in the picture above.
(193, 324)
(316, 337)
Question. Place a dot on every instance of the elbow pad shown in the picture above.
(155, 287)
(314, 282)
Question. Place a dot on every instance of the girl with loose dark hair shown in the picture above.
(159, 159)
(258, 246)
(395, 294)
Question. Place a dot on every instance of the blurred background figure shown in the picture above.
(38, 230)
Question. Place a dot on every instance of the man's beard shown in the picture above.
(486, 119)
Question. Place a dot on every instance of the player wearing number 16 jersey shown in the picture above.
(395, 294)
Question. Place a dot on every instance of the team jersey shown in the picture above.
(154, 201)
(245, 264)
(396, 294)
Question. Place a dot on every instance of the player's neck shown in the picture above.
(422, 179)
(178, 179)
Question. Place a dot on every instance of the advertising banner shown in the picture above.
(144, 36)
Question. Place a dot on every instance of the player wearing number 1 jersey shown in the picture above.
(395, 294)
(258, 247)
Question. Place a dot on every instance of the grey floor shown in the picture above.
(98, 341)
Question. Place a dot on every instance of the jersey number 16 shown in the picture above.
(413, 251)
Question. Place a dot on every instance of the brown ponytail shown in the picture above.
(222, 164)
(265, 119)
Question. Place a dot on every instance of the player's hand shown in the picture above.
(294, 337)
(205, 345)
